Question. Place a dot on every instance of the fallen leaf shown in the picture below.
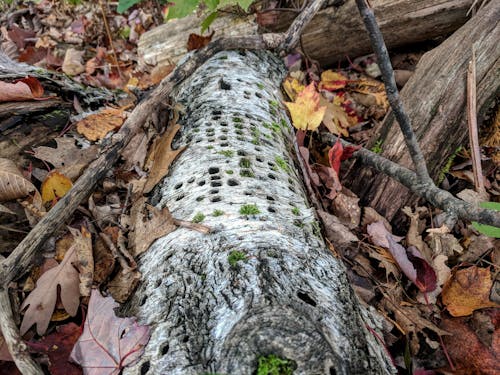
(97, 125)
(108, 343)
(124, 284)
(378, 234)
(161, 157)
(336, 232)
(336, 119)
(345, 207)
(55, 186)
(42, 300)
(196, 41)
(67, 157)
(72, 64)
(306, 112)
(57, 346)
(414, 266)
(83, 243)
(24, 89)
(332, 81)
(13, 185)
(292, 87)
(467, 351)
(19, 36)
(104, 261)
(148, 223)
(468, 290)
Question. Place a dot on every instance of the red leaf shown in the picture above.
(413, 265)
(335, 156)
(108, 343)
(19, 36)
(58, 346)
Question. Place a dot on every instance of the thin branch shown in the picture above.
(384, 63)
(17, 348)
(472, 124)
(434, 195)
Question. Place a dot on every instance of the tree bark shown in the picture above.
(435, 100)
(335, 32)
(262, 282)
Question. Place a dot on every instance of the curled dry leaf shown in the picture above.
(468, 290)
(13, 185)
(42, 300)
(95, 126)
(108, 343)
(25, 89)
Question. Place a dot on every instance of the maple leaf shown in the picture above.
(468, 290)
(337, 119)
(42, 300)
(108, 343)
(292, 87)
(332, 81)
(306, 112)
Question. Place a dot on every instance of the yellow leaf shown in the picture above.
(306, 112)
(332, 81)
(55, 186)
(292, 87)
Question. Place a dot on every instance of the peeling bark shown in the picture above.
(289, 295)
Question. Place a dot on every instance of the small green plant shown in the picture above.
(237, 119)
(275, 127)
(273, 103)
(283, 123)
(229, 171)
(274, 365)
(295, 211)
(210, 147)
(488, 230)
(249, 209)
(235, 256)
(377, 147)
(227, 153)
(217, 213)
(446, 168)
(198, 218)
(260, 86)
(246, 173)
(245, 163)
(282, 164)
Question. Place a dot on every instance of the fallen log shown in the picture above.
(335, 32)
(263, 282)
(434, 99)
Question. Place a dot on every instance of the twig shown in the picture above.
(17, 348)
(472, 123)
(110, 39)
(391, 89)
(437, 197)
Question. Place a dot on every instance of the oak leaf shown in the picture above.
(108, 343)
(42, 300)
(306, 112)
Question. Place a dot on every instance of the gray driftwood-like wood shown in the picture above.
(435, 100)
(290, 295)
(334, 33)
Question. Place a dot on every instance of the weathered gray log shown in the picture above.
(435, 100)
(335, 32)
(290, 296)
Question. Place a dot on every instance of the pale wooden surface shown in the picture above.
(335, 32)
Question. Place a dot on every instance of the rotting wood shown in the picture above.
(284, 293)
(434, 99)
(335, 32)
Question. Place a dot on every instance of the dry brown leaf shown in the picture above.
(386, 261)
(336, 232)
(336, 118)
(468, 290)
(104, 261)
(55, 186)
(4, 350)
(20, 91)
(42, 300)
(161, 157)
(72, 64)
(345, 207)
(83, 244)
(97, 125)
(68, 158)
(148, 226)
(123, 284)
(13, 185)
(135, 152)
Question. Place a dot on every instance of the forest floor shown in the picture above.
(439, 295)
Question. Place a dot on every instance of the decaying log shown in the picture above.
(435, 100)
(335, 32)
(263, 282)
